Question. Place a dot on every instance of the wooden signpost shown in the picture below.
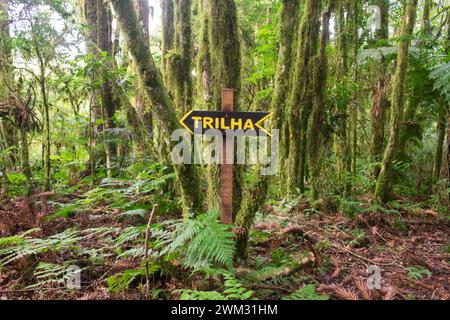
(248, 124)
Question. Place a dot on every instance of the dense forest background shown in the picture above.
(91, 91)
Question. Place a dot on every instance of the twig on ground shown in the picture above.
(147, 236)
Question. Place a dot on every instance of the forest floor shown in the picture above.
(412, 250)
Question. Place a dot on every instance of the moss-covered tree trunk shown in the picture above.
(6, 129)
(89, 10)
(380, 102)
(447, 156)
(109, 103)
(384, 188)
(301, 99)
(255, 194)
(289, 23)
(140, 115)
(157, 94)
(315, 133)
(355, 10)
(179, 59)
(168, 36)
(410, 122)
(439, 151)
(203, 57)
(342, 139)
(225, 58)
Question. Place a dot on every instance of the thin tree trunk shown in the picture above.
(379, 100)
(89, 9)
(141, 116)
(25, 160)
(6, 129)
(109, 102)
(438, 154)
(383, 191)
(342, 146)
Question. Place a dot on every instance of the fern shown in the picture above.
(440, 74)
(200, 295)
(49, 274)
(203, 241)
(233, 290)
(417, 273)
(22, 246)
(308, 292)
(122, 281)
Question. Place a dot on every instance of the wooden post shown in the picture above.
(226, 169)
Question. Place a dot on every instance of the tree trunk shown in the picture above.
(89, 9)
(168, 36)
(156, 92)
(379, 100)
(383, 191)
(178, 61)
(25, 160)
(204, 58)
(109, 102)
(225, 55)
(315, 137)
(342, 147)
(7, 131)
(140, 115)
(438, 154)
(301, 98)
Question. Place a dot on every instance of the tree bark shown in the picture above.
(6, 130)
(142, 116)
(438, 154)
(301, 97)
(342, 147)
(383, 191)
(179, 59)
(109, 102)
(156, 92)
(315, 137)
(225, 55)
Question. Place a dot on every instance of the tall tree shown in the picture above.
(43, 55)
(342, 147)
(178, 61)
(315, 133)
(143, 114)
(108, 100)
(225, 58)
(6, 130)
(89, 9)
(383, 191)
(301, 99)
(380, 102)
(157, 94)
